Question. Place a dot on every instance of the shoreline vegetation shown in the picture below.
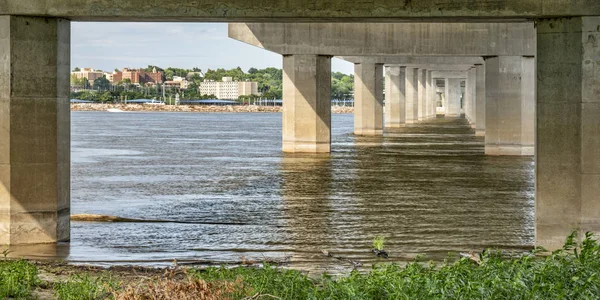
(191, 108)
(572, 272)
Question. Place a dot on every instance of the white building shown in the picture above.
(229, 89)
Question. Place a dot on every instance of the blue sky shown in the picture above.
(107, 46)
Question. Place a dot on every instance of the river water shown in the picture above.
(229, 194)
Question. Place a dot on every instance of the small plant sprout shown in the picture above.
(5, 253)
(378, 242)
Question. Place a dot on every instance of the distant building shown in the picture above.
(229, 89)
(87, 73)
(183, 82)
(139, 76)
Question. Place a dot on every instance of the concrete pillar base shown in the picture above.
(395, 102)
(510, 111)
(509, 150)
(368, 99)
(567, 142)
(34, 130)
(306, 105)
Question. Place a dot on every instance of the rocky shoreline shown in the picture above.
(191, 108)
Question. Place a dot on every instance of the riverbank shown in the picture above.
(191, 108)
(570, 273)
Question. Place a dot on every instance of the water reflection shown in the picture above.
(231, 193)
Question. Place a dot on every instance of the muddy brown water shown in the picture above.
(232, 195)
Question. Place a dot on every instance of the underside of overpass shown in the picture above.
(531, 72)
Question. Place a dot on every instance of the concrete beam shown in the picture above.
(415, 60)
(381, 39)
(299, 10)
(450, 74)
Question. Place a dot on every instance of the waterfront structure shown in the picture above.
(139, 76)
(228, 88)
(87, 73)
(551, 67)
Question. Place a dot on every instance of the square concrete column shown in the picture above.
(412, 95)
(395, 88)
(453, 94)
(509, 113)
(368, 99)
(306, 103)
(480, 100)
(568, 129)
(422, 86)
(430, 95)
(34, 130)
(471, 97)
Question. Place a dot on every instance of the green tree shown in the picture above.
(101, 84)
(77, 69)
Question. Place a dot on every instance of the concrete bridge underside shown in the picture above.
(562, 49)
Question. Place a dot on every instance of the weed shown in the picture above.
(85, 287)
(17, 279)
(378, 243)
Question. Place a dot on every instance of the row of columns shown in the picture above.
(35, 124)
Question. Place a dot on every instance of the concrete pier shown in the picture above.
(306, 103)
(509, 108)
(422, 110)
(395, 101)
(34, 130)
(368, 99)
(568, 127)
(480, 100)
(412, 95)
(430, 95)
(471, 97)
(453, 94)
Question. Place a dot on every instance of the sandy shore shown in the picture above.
(191, 108)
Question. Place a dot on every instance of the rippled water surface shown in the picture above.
(228, 191)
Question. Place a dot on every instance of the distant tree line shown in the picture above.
(269, 81)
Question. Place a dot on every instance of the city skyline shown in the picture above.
(107, 46)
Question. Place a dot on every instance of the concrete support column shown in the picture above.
(368, 99)
(306, 103)
(422, 86)
(480, 100)
(453, 94)
(412, 95)
(395, 89)
(430, 99)
(509, 108)
(568, 127)
(34, 130)
(471, 97)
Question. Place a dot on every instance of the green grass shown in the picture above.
(85, 287)
(570, 273)
(17, 279)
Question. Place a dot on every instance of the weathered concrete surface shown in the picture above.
(412, 95)
(306, 103)
(415, 61)
(568, 126)
(298, 10)
(368, 99)
(430, 106)
(395, 101)
(509, 112)
(34, 130)
(380, 39)
(450, 74)
(480, 101)
(453, 94)
(422, 77)
(470, 96)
